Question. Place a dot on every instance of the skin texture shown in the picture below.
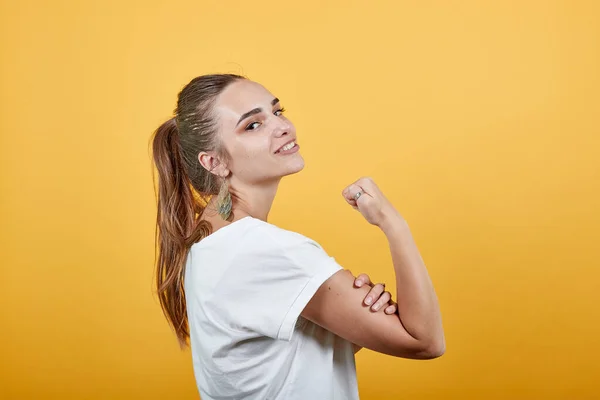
(255, 170)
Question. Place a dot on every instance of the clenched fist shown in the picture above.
(371, 203)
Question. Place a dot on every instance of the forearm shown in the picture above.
(418, 307)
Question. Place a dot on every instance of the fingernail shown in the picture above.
(376, 307)
(369, 300)
(359, 283)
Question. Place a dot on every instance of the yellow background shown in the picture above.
(479, 120)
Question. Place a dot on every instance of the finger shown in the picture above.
(391, 308)
(383, 299)
(349, 192)
(353, 187)
(352, 203)
(362, 279)
(368, 184)
(374, 294)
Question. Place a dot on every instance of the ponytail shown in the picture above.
(175, 226)
(182, 186)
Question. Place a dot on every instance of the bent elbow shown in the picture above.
(435, 349)
(436, 352)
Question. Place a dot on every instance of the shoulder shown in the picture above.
(271, 254)
(265, 237)
(267, 231)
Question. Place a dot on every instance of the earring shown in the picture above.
(224, 200)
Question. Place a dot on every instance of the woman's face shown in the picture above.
(253, 130)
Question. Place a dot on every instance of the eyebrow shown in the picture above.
(255, 111)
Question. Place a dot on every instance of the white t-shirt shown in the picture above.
(245, 287)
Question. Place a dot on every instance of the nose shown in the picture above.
(281, 127)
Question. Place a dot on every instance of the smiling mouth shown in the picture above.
(287, 146)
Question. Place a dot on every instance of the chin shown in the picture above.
(294, 166)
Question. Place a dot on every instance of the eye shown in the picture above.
(248, 127)
(250, 124)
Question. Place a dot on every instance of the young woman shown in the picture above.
(268, 313)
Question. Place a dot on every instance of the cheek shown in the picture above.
(250, 153)
(247, 152)
(257, 147)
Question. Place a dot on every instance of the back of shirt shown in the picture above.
(245, 287)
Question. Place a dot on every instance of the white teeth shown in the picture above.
(288, 146)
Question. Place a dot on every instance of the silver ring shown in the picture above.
(357, 195)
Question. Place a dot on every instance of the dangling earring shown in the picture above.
(224, 200)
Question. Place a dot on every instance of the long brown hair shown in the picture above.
(183, 187)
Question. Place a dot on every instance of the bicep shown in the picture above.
(338, 307)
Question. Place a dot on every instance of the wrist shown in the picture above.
(392, 221)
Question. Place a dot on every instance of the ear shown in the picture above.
(212, 163)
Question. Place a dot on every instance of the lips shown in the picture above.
(283, 145)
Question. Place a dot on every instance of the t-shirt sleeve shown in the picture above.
(272, 278)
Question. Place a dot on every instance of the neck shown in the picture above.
(254, 199)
